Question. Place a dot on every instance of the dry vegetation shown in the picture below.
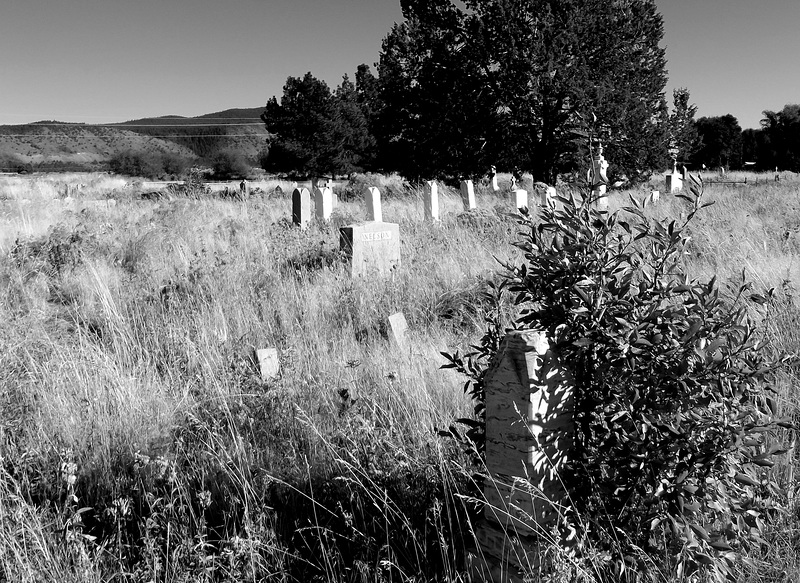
(138, 441)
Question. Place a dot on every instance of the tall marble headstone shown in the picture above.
(468, 195)
(374, 212)
(430, 201)
(301, 206)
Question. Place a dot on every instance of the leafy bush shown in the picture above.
(673, 411)
(229, 164)
(148, 164)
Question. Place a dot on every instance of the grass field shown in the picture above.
(138, 441)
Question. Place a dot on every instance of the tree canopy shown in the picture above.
(462, 86)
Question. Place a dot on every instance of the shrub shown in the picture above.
(229, 164)
(673, 409)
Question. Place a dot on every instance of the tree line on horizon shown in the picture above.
(521, 86)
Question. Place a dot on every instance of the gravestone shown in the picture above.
(374, 212)
(244, 188)
(529, 432)
(371, 248)
(521, 198)
(493, 176)
(431, 201)
(323, 203)
(599, 180)
(674, 182)
(301, 207)
(654, 196)
(268, 363)
(468, 195)
(550, 195)
(684, 173)
(397, 331)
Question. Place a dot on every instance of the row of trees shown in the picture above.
(462, 86)
(719, 141)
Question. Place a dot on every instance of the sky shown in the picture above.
(102, 61)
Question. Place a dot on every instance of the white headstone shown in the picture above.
(431, 201)
(493, 173)
(323, 203)
(301, 206)
(521, 197)
(654, 196)
(673, 182)
(374, 205)
(549, 195)
(268, 362)
(397, 331)
(529, 436)
(468, 195)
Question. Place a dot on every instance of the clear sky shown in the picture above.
(100, 61)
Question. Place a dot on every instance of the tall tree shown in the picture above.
(316, 132)
(721, 142)
(519, 77)
(684, 139)
(782, 130)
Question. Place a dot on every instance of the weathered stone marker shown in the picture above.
(493, 176)
(397, 331)
(323, 203)
(430, 201)
(301, 206)
(374, 212)
(654, 196)
(268, 363)
(599, 180)
(468, 195)
(521, 198)
(550, 195)
(529, 432)
(372, 248)
(674, 182)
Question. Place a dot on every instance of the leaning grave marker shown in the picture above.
(323, 203)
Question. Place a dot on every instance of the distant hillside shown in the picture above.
(51, 142)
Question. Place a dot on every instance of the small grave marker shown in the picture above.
(521, 197)
(468, 195)
(431, 201)
(372, 248)
(654, 195)
(323, 203)
(268, 363)
(397, 331)
(674, 182)
(493, 176)
(374, 212)
(599, 180)
(301, 207)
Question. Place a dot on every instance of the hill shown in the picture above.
(49, 143)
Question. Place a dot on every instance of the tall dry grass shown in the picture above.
(127, 339)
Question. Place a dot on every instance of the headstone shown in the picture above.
(529, 433)
(599, 180)
(684, 173)
(549, 195)
(493, 176)
(654, 196)
(323, 203)
(468, 195)
(372, 248)
(521, 197)
(301, 206)
(431, 201)
(397, 331)
(674, 182)
(268, 362)
(374, 205)
(244, 188)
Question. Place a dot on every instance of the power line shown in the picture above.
(147, 136)
(142, 125)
